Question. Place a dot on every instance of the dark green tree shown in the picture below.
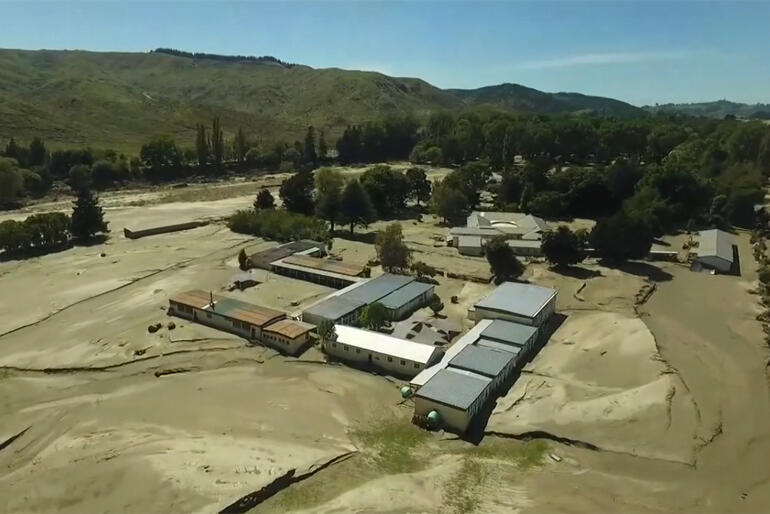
(562, 247)
(419, 185)
(436, 305)
(620, 238)
(387, 188)
(448, 203)
(323, 147)
(243, 260)
(217, 143)
(241, 146)
(202, 150)
(11, 183)
(296, 193)
(80, 177)
(502, 261)
(356, 206)
(38, 155)
(309, 154)
(161, 155)
(87, 216)
(264, 200)
(326, 331)
(392, 252)
(374, 316)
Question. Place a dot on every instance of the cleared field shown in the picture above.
(662, 406)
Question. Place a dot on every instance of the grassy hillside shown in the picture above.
(118, 100)
(718, 109)
(519, 98)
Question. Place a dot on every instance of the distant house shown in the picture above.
(715, 250)
(521, 303)
(524, 232)
(390, 354)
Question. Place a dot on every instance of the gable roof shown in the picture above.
(715, 243)
(517, 298)
(385, 344)
(454, 387)
(482, 360)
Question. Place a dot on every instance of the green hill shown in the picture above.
(118, 100)
(718, 109)
(517, 98)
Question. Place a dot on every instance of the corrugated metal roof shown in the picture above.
(482, 360)
(316, 263)
(497, 345)
(196, 298)
(289, 328)
(385, 344)
(469, 242)
(246, 312)
(715, 243)
(377, 288)
(523, 299)
(334, 307)
(509, 332)
(406, 294)
(470, 337)
(454, 387)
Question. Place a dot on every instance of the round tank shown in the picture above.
(434, 417)
(406, 392)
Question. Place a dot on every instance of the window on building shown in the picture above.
(390, 359)
(208, 315)
(358, 350)
(334, 345)
(417, 366)
(403, 362)
(346, 348)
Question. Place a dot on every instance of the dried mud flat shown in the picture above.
(655, 407)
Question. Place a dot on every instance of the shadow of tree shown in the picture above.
(639, 269)
(576, 272)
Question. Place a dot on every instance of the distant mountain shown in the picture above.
(718, 109)
(117, 100)
(517, 98)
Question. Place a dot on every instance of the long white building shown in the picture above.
(372, 349)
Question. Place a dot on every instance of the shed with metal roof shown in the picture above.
(715, 250)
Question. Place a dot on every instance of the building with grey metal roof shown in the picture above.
(333, 308)
(483, 360)
(480, 227)
(513, 349)
(407, 298)
(510, 332)
(513, 301)
(715, 250)
(455, 395)
(377, 288)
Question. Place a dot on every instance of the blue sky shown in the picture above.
(641, 52)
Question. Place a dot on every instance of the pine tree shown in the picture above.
(87, 216)
(309, 154)
(217, 143)
(264, 200)
(356, 206)
(241, 147)
(201, 145)
(37, 152)
(323, 148)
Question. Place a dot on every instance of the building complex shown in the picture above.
(523, 232)
(252, 322)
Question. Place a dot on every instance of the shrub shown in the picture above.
(278, 225)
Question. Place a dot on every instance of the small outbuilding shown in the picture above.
(715, 250)
(456, 395)
(521, 303)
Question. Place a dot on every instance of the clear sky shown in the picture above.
(638, 51)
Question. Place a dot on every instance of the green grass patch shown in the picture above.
(320, 488)
(462, 491)
(525, 454)
(393, 444)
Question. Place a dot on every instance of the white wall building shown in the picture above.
(456, 395)
(390, 354)
(287, 335)
(715, 250)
